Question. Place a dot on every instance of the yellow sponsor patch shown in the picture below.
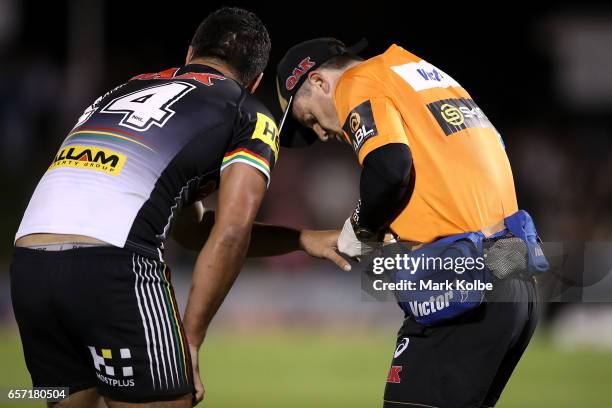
(89, 157)
(267, 132)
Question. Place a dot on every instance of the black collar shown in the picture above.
(197, 68)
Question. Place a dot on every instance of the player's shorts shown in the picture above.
(100, 317)
(466, 362)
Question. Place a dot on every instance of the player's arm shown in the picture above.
(219, 261)
(375, 129)
(192, 229)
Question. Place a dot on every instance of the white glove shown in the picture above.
(350, 245)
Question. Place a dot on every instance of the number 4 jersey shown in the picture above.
(145, 149)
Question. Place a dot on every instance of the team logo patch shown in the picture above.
(451, 114)
(267, 132)
(403, 345)
(360, 125)
(89, 157)
(304, 66)
(354, 121)
(114, 370)
(394, 375)
(454, 115)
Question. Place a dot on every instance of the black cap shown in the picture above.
(291, 73)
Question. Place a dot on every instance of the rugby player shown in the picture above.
(91, 292)
(433, 166)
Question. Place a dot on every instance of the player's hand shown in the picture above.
(197, 381)
(350, 245)
(322, 244)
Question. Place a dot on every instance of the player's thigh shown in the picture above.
(179, 402)
(130, 326)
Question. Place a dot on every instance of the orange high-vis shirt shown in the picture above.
(463, 180)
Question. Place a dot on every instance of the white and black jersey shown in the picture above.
(143, 150)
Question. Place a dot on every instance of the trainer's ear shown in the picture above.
(254, 83)
(317, 79)
(189, 55)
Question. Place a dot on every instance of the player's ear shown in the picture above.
(189, 55)
(254, 83)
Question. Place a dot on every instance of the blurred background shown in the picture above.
(295, 331)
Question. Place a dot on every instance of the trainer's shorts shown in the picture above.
(464, 363)
(100, 317)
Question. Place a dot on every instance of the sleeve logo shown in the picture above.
(454, 115)
(354, 121)
(360, 125)
(267, 132)
(451, 114)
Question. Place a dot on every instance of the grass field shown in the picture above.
(300, 369)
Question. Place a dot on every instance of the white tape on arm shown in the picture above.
(350, 245)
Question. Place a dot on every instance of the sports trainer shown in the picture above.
(433, 166)
(90, 289)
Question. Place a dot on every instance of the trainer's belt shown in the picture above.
(504, 256)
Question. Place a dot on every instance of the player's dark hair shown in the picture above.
(238, 38)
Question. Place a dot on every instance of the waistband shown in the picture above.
(24, 253)
(64, 246)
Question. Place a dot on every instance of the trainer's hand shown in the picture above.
(197, 381)
(322, 244)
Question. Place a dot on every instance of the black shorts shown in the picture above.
(467, 362)
(100, 317)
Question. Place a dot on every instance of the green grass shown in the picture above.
(304, 369)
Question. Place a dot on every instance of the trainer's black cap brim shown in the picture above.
(294, 135)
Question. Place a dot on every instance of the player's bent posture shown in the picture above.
(91, 292)
(433, 166)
